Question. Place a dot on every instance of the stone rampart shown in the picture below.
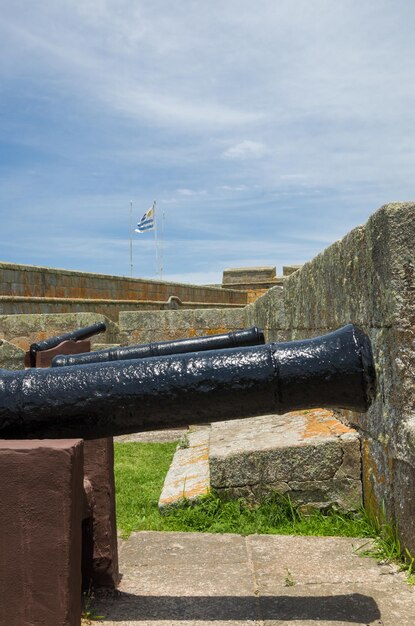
(366, 278)
(23, 330)
(146, 326)
(30, 289)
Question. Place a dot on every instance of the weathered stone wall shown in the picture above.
(366, 278)
(254, 280)
(146, 326)
(11, 356)
(22, 330)
(10, 305)
(17, 332)
(30, 289)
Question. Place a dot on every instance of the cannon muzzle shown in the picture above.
(114, 398)
(247, 337)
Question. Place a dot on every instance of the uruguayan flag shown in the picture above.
(146, 222)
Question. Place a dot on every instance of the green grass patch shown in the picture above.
(387, 547)
(140, 469)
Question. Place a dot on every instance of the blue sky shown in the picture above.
(265, 131)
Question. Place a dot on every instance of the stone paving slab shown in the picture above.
(199, 579)
(188, 476)
(273, 556)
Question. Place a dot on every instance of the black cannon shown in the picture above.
(247, 337)
(74, 335)
(114, 398)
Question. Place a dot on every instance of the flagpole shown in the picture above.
(162, 246)
(155, 238)
(131, 239)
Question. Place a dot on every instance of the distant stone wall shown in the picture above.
(23, 330)
(146, 326)
(366, 278)
(254, 280)
(30, 289)
(15, 305)
(11, 356)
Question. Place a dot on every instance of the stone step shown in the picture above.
(309, 456)
(188, 475)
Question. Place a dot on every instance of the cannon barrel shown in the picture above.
(74, 335)
(98, 400)
(247, 337)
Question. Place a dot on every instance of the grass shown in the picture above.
(387, 547)
(88, 614)
(140, 469)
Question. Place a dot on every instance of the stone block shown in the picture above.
(11, 356)
(248, 275)
(403, 493)
(188, 475)
(309, 455)
(101, 569)
(41, 495)
(287, 270)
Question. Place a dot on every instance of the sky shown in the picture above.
(264, 130)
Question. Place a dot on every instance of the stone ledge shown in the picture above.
(308, 455)
(188, 476)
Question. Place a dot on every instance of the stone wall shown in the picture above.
(366, 278)
(30, 289)
(254, 280)
(146, 326)
(23, 330)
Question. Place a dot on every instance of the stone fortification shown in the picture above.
(37, 290)
(254, 280)
(366, 278)
(23, 330)
(146, 326)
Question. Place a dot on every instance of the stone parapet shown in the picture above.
(23, 330)
(146, 326)
(13, 305)
(44, 282)
(242, 275)
(367, 278)
(287, 270)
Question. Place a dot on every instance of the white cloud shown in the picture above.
(245, 149)
(220, 110)
(191, 192)
(233, 187)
